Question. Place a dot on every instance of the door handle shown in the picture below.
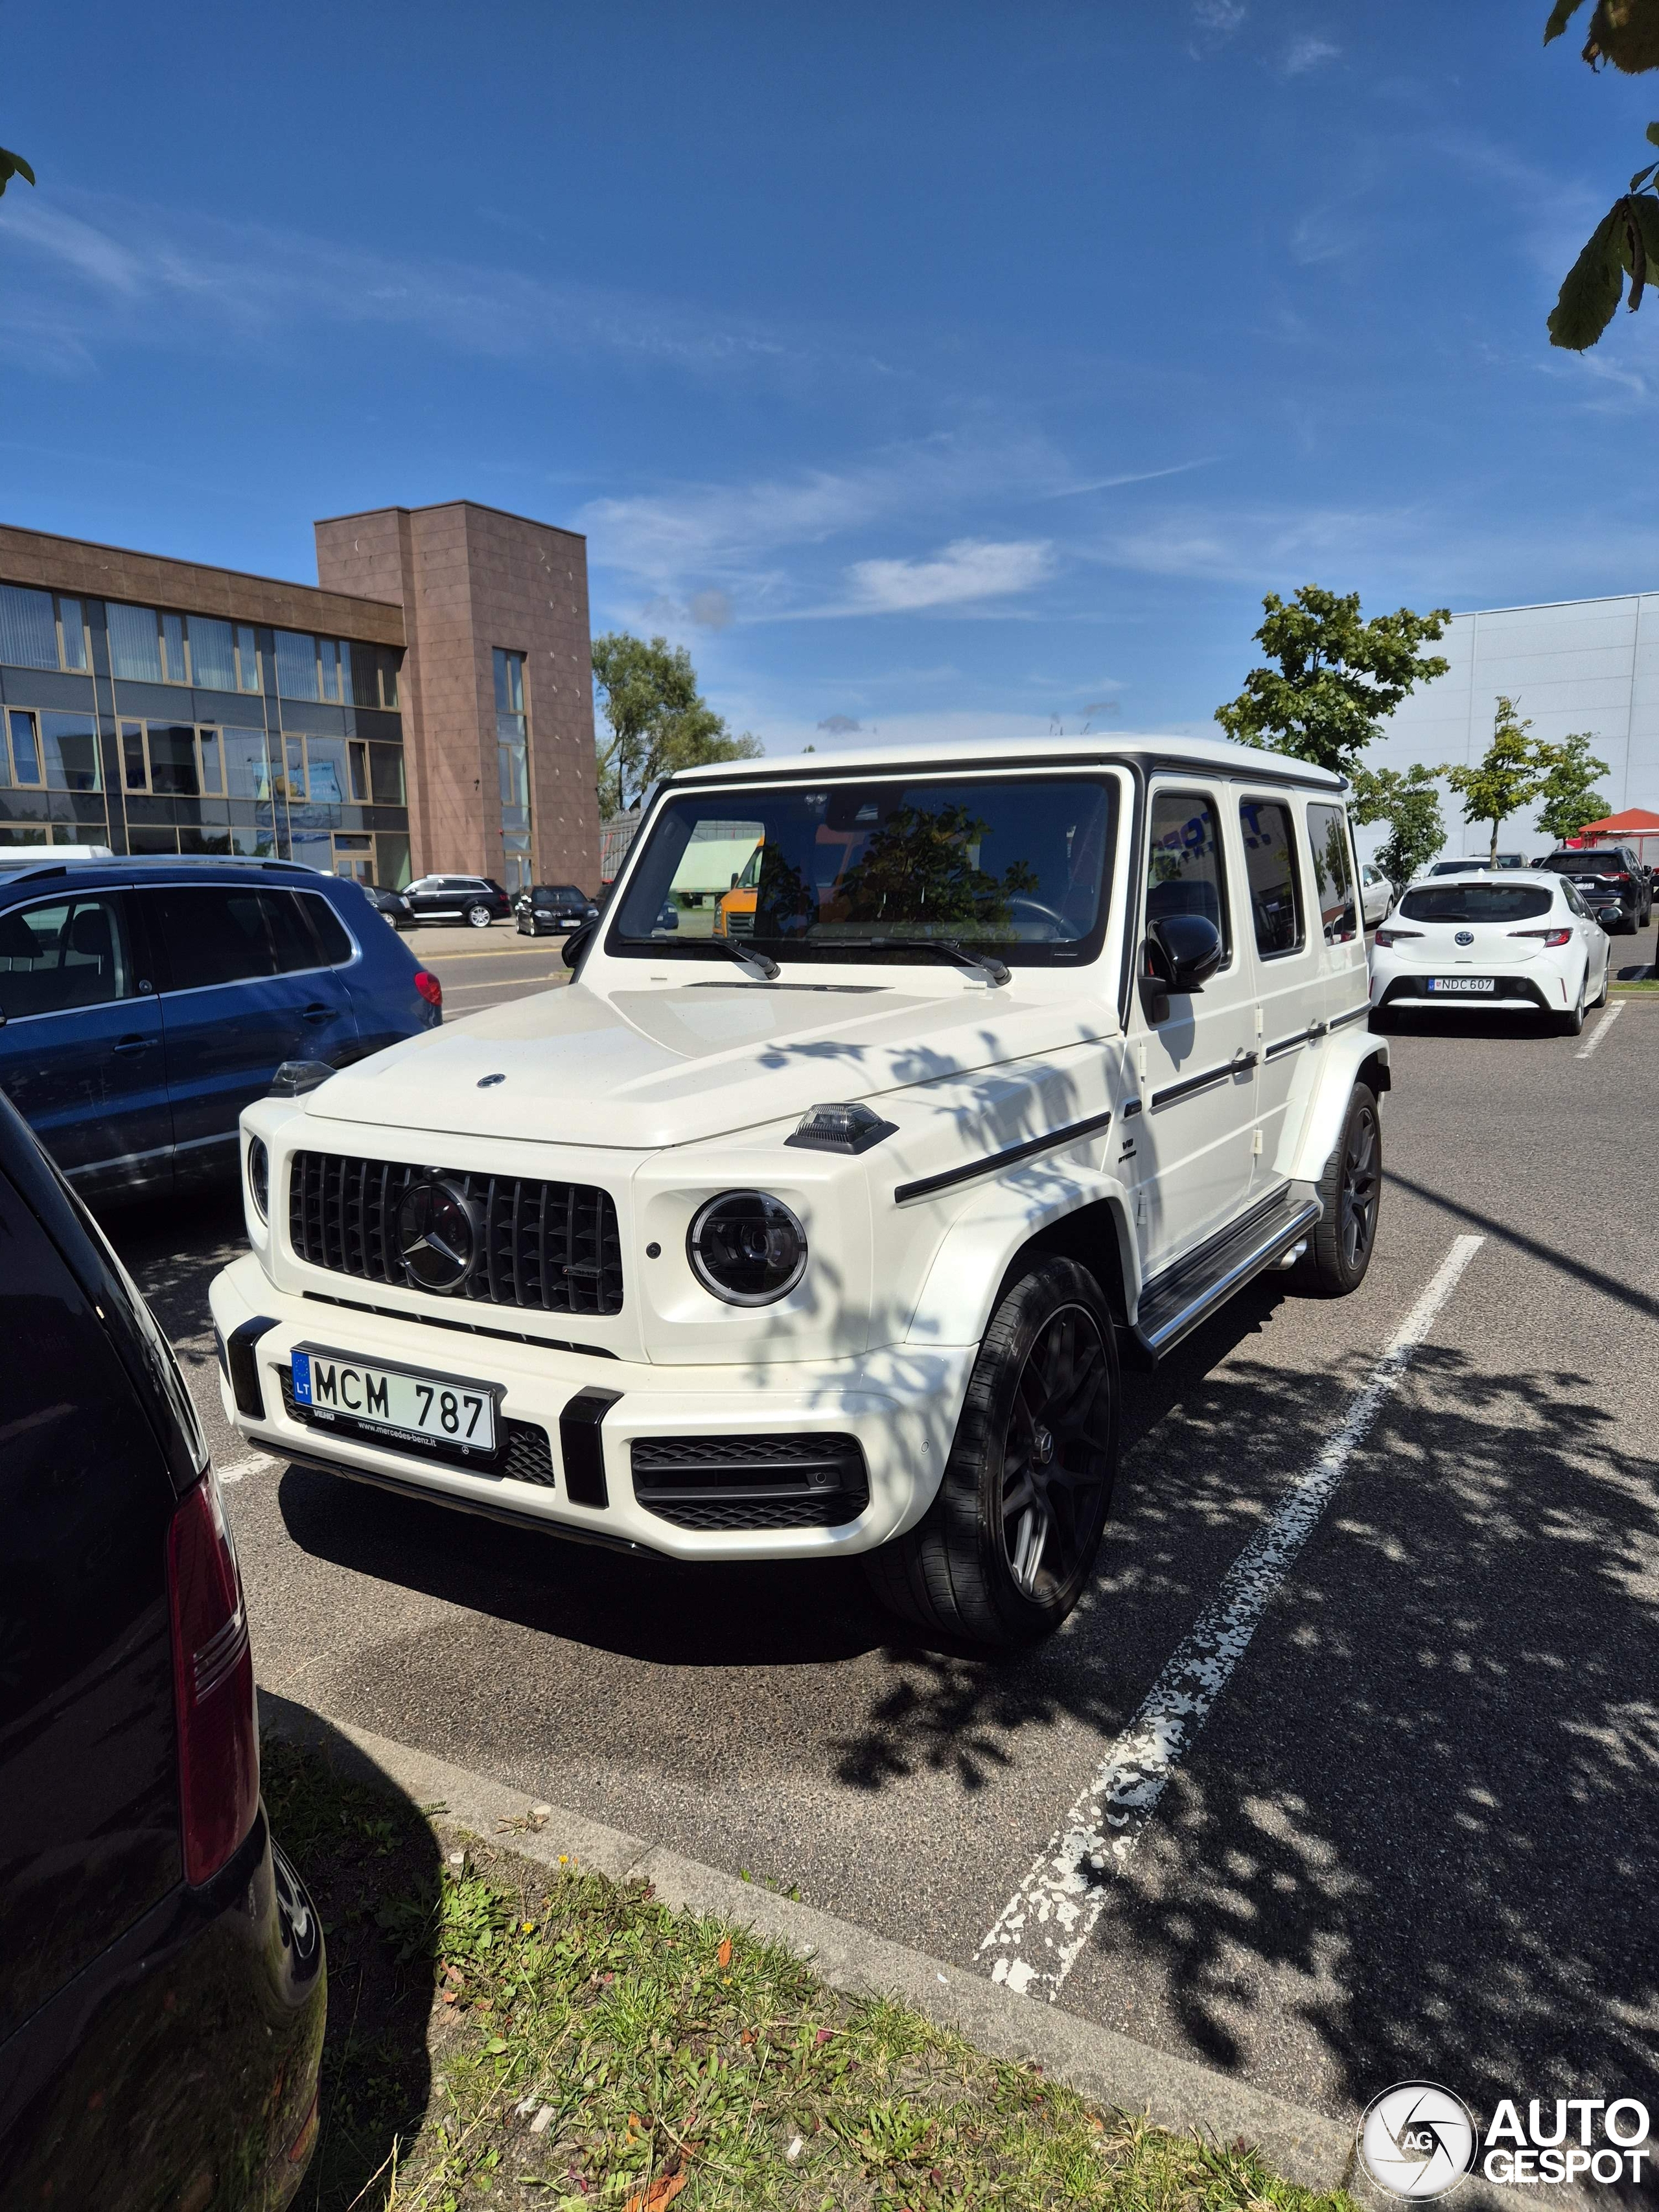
(134, 1043)
(316, 1011)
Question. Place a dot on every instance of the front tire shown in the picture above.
(478, 917)
(1339, 1250)
(1004, 1552)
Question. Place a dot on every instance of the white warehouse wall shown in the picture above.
(1580, 664)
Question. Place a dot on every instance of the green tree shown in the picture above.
(1512, 771)
(1570, 796)
(1409, 800)
(1626, 242)
(14, 165)
(658, 720)
(1337, 676)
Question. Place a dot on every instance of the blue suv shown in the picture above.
(144, 1003)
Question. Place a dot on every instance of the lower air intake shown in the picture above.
(751, 1482)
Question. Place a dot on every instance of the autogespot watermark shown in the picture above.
(1419, 2140)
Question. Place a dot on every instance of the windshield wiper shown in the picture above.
(759, 964)
(982, 963)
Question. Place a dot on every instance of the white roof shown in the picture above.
(1213, 753)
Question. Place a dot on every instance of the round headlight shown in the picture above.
(258, 1176)
(747, 1248)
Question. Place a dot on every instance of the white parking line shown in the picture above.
(1601, 1030)
(239, 1467)
(1050, 1917)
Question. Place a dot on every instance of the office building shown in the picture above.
(1580, 664)
(426, 707)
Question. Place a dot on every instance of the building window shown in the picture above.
(388, 668)
(50, 752)
(247, 659)
(25, 768)
(135, 644)
(172, 760)
(314, 667)
(39, 631)
(212, 654)
(512, 751)
(173, 668)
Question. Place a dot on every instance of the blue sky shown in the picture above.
(961, 367)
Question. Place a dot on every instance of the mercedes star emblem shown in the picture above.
(436, 1235)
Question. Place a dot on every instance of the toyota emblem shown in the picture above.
(1465, 937)
(437, 1235)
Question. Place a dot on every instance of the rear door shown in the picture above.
(1197, 1067)
(88, 1787)
(1288, 958)
(244, 988)
(80, 1050)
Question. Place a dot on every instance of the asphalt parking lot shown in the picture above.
(1418, 1835)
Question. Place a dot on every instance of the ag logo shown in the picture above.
(1417, 2140)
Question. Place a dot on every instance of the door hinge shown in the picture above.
(1256, 1144)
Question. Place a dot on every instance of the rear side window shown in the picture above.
(336, 946)
(1271, 870)
(71, 953)
(210, 933)
(1327, 834)
(1184, 871)
(1474, 902)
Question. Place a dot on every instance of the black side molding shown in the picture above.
(993, 1163)
(1191, 1084)
(244, 1368)
(582, 1449)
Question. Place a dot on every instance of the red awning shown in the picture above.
(1631, 823)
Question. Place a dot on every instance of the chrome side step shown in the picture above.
(1175, 1304)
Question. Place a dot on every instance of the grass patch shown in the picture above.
(503, 2033)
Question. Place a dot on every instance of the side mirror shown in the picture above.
(1183, 950)
(576, 944)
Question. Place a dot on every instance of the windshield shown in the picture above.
(1017, 865)
(1477, 902)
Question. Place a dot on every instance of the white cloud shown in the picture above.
(1307, 52)
(120, 273)
(969, 569)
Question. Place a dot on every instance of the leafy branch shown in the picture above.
(1626, 240)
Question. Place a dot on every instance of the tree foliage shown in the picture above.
(14, 165)
(1511, 773)
(1337, 676)
(1409, 800)
(1626, 242)
(658, 720)
(1570, 796)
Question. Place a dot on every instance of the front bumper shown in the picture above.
(899, 1404)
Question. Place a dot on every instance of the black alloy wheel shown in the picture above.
(1339, 1247)
(1003, 1553)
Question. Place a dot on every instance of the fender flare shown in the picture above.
(960, 1292)
(1334, 1069)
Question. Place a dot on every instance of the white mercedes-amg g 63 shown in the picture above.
(817, 1222)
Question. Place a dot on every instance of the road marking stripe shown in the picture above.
(239, 1467)
(1601, 1030)
(1051, 1915)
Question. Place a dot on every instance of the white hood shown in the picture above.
(642, 1069)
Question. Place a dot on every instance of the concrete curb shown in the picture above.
(1111, 2069)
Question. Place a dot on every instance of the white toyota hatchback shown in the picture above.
(1516, 940)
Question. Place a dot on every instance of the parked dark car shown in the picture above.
(1608, 876)
(476, 900)
(390, 906)
(162, 1988)
(555, 908)
(144, 1003)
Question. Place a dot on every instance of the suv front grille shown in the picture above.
(550, 1247)
(751, 1482)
